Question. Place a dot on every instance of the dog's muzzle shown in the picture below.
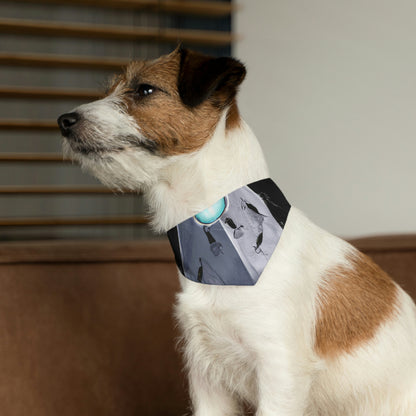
(67, 123)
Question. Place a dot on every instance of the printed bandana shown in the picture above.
(231, 242)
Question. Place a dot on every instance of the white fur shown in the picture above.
(257, 343)
(107, 121)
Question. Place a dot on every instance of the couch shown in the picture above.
(86, 327)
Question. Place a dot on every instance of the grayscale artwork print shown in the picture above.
(231, 242)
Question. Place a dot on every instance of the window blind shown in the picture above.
(55, 55)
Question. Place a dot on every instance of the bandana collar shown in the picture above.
(231, 242)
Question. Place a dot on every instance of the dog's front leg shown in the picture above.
(209, 399)
(282, 386)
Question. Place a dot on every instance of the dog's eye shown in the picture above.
(143, 90)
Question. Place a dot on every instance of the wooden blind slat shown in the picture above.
(202, 8)
(59, 190)
(48, 93)
(56, 61)
(115, 220)
(28, 125)
(58, 29)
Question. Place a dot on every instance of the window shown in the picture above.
(55, 55)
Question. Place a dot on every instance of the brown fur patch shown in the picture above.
(162, 117)
(353, 303)
(233, 116)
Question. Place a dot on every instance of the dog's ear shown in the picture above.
(202, 77)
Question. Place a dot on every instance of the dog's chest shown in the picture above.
(215, 343)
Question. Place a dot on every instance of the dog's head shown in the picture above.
(152, 112)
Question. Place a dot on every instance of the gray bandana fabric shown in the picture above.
(231, 242)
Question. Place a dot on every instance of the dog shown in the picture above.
(324, 331)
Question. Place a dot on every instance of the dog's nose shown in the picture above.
(67, 121)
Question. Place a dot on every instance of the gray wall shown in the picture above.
(331, 95)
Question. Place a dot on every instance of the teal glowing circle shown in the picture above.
(211, 214)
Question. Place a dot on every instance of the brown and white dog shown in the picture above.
(324, 331)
